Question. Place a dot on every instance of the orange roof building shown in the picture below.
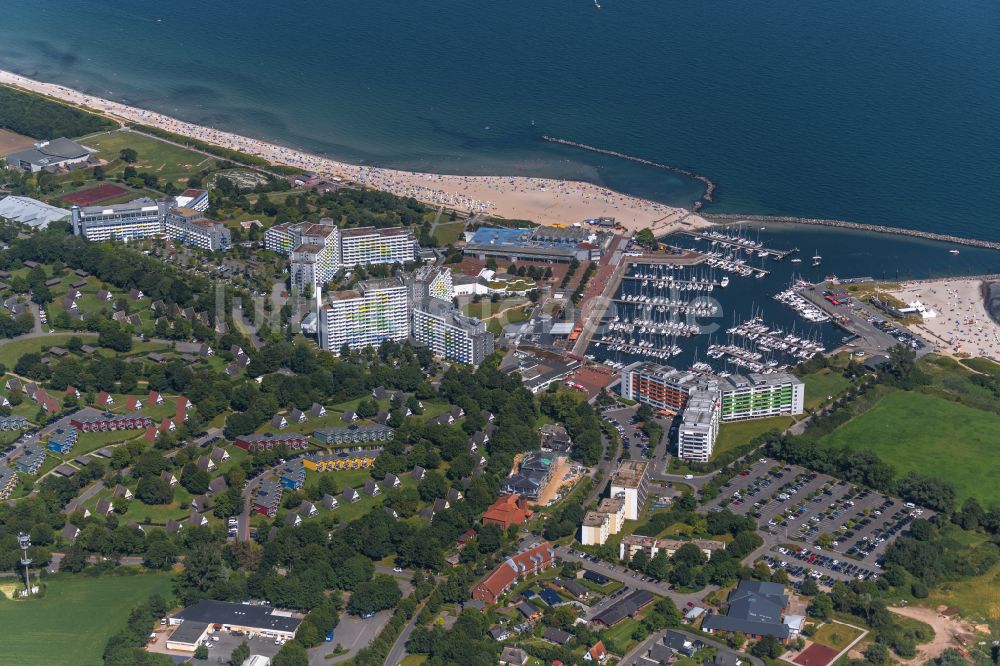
(506, 511)
(526, 563)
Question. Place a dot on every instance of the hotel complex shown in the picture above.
(376, 310)
(706, 400)
(179, 218)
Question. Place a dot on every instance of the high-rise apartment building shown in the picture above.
(376, 310)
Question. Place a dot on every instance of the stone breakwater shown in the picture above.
(727, 218)
(710, 187)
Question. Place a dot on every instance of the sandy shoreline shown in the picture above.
(962, 324)
(546, 201)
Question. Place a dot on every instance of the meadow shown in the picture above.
(931, 435)
(165, 160)
(72, 622)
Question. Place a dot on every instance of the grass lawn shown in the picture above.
(621, 633)
(733, 435)
(58, 629)
(835, 635)
(166, 161)
(977, 598)
(933, 436)
(15, 349)
(824, 383)
(449, 233)
(982, 365)
(91, 441)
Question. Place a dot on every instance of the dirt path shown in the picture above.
(945, 632)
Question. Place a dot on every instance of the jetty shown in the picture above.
(727, 218)
(740, 244)
(710, 186)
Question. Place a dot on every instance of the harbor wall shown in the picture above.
(730, 218)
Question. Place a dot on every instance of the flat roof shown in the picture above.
(630, 473)
(265, 618)
(189, 632)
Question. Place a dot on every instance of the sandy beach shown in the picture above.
(542, 200)
(962, 324)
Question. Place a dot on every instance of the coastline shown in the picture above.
(542, 200)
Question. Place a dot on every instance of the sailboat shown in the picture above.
(597, 4)
(817, 260)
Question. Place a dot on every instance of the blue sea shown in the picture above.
(884, 111)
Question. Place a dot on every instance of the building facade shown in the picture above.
(699, 426)
(191, 227)
(368, 245)
(659, 386)
(432, 282)
(136, 219)
(761, 396)
(377, 310)
(596, 528)
(630, 483)
(634, 543)
(449, 333)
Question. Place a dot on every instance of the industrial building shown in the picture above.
(196, 622)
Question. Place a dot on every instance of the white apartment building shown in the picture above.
(630, 483)
(369, 245)
(432, 282)
(376, 310)
(315, 258)
(596, 528)
(190, 226)
(757, 396)
(140, 218)
(449, 333)
(281, 238)
(699, 426)
(606, 521)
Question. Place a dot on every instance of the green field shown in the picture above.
(933, 436)
(15, 349)
(165, 160)
(733, 435)
(982, 365)
(820, 385)
(449, 233)
(836, 635)
(75, 618)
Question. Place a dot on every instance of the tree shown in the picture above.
(128, 155)
(876, 654)
(154, 490)
(202, 567)
(821, 606)
(809, 587)
(201, 653)
(292, 653)
(433, 486)
(379, 594)
(240, 654)
(769, 647)
(646, 238)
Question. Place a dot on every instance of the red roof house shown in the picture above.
(526, 563)
(506, 511)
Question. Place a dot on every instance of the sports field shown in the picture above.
(95, 195)
(71, 624)
(933, 436)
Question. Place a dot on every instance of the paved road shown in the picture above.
(625, 576)
(82, 498)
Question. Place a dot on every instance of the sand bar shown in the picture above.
(962, 324)
(546, 201)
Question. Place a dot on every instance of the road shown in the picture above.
(625, 576)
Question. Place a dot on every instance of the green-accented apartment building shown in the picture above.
(757, 396)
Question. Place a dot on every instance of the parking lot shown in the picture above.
(815, 524)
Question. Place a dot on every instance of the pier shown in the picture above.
(757, 249)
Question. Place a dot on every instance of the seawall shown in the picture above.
(729, 218)
(710, 186)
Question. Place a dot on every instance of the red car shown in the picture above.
(744, 473)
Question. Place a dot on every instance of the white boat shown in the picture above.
(796, 260)
(724, 282)
(817, 260)
(952, 251)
